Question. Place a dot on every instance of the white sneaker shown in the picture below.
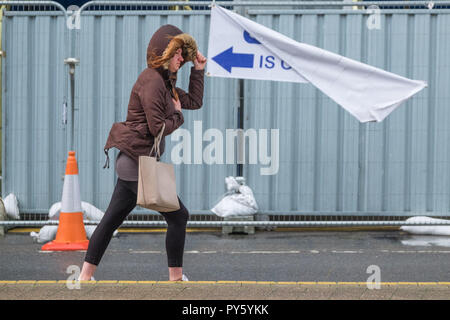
(184, 278)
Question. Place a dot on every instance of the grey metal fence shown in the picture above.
(331, 166)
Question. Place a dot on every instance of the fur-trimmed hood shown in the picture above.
(166, 41)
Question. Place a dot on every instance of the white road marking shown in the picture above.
(264, 252)
(347, 251)
(288, 251)
(158, 252)
(420, 251)
(201, 252)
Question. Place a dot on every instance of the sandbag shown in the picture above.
(90, 212)
(431, 230)
(48, 233)
(53, 212)
(45, 234)
(239, 200)
(12, 206)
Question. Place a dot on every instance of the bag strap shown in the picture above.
(157, 141)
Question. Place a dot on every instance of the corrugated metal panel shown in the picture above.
(33, 94)
(329, 162)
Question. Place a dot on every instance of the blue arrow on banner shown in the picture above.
(228, 59)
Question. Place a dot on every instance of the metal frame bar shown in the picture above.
(346, 11)
(358, 5)
(140, 212)
(36, 3)
(263, 3)
(281, 224)
(147, 13)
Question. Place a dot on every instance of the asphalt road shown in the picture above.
(265, 256)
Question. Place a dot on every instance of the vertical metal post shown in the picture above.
(240, 135)
(72, 62)
(73, 25)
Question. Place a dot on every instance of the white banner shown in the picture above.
(241, 48)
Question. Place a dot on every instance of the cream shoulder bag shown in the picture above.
(157, 189)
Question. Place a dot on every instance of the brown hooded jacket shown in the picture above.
(151, 102)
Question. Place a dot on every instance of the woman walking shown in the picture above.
(154, 101)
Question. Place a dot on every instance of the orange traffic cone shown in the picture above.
(71, 234)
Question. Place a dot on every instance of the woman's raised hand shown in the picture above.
(200, 61)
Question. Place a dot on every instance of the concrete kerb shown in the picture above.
(223, 282)
(218, 290)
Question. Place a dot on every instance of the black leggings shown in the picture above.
(122, 203)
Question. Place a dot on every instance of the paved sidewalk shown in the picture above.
(220, 290)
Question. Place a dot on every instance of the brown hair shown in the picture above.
(175, 93)
(154, 61)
